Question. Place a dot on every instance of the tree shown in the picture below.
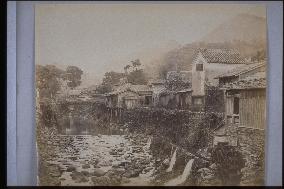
(73, 76)
(176, 83)
(229, 163)
(109, 80)
(260, 55)
(126, 68)
(47, 80)
(214, 99)
(136, 63)
(137, 77)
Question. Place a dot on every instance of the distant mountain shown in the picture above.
(245, 33)
(243, 27)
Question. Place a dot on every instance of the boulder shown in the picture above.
(166, 162)
(147, 169)
(86, 166)
(71, 168)
(99, 172)
(101, 181)
(131, 173)
(85, 173)
(79, 177)
(74, 158)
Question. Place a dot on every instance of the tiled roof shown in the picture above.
(168, 92)
(130, 87)
(242, 69)
(225, 56)
(255, 81)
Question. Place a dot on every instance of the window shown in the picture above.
(148, 100)
(198, 101)
(199, 67)
(236, 105)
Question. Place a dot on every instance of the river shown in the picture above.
(79, 156)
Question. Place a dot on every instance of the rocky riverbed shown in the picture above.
(102, 160)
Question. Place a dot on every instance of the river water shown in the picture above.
(106, 153)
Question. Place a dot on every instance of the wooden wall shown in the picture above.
(253, 108)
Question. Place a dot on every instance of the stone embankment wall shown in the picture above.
(188, 129)
(251, 143)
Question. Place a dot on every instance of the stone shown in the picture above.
(99, 172)
(85, 173)
(147, 169)
(124, 180)
(79, 177)
(113, 152)
(166, 162)
(71, 168)
(101, 181)
(213, 166)
(55, 174)
(86, 166)
(131, 173)
(74, 158)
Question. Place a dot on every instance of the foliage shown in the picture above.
(73, 76)
(137, 77)
(229, 163)
(176, 83)
(126, 68)
(259, 55)
(47, 80)
(214, 99)
(109, 80)
(136, 63)
(49, 77)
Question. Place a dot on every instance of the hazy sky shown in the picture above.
(102, 37)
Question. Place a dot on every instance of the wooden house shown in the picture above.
(241, 72)
(245, 101)
(184, 98)
(180, 99)
(245, 108)
(129, 96)
(206, 66)
(157, 86)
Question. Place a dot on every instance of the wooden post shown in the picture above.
(225, 104)
(110, 114)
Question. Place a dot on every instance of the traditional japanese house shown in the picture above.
(241, 72)
(245, 101)
(206, 66)
(180, 99)
(129, 96)
(157, 86)
(184, 98)
(245, 105)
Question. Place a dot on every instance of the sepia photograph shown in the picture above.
(150, 94)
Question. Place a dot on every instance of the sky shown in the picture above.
(99, 37)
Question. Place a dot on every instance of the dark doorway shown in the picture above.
(236, 105)
(148, 100)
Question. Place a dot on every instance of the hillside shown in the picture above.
(245, 33)
(243, 27)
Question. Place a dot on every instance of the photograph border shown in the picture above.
(21, 139)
